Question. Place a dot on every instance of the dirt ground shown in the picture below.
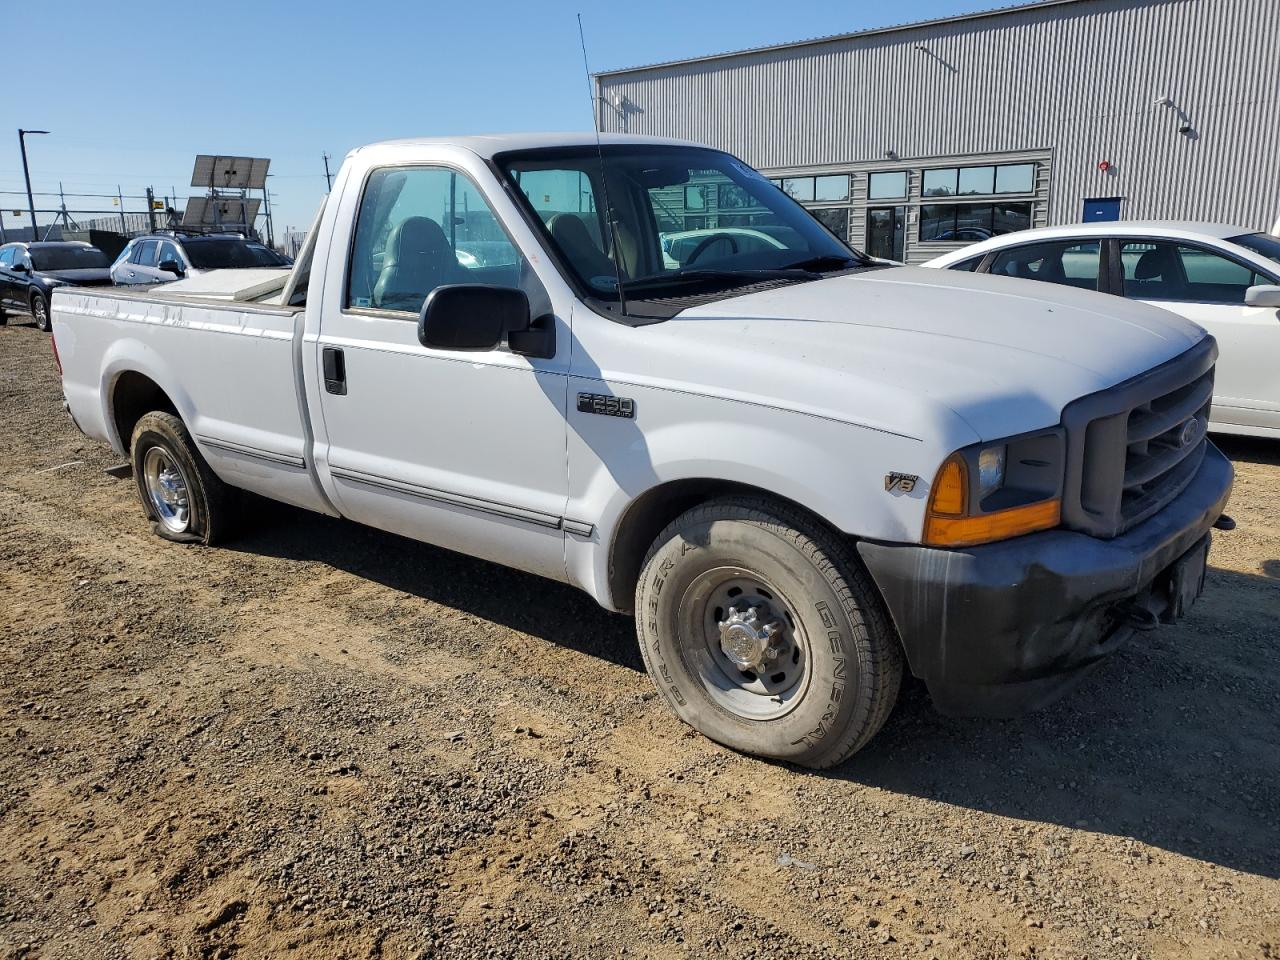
(321, 741)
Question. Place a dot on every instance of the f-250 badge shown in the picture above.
(905, 482)
(606, 405)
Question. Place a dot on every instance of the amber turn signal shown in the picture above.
(947, 525)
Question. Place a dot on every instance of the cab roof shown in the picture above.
(488, 145)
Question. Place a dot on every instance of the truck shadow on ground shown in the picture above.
(1175, 741)
(1249, 449)
(542, 608)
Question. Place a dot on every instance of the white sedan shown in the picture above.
(1225, 278)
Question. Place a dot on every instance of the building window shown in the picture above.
(730, 196)
(887, 186)
(1016, 178)
(799, 188)
(986, 180)
(971, 222)
(977, 181)
(831, 188)
(695, 196)
(835, 219)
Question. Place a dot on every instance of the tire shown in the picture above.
(40, 311)
(727, 573)
(183, 499)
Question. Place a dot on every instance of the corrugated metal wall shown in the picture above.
(1078, 81)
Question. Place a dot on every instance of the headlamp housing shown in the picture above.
(994, 491)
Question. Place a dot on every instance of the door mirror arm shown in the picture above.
(537, 340)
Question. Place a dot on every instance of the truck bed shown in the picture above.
(231, 369)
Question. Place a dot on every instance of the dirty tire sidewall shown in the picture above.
(40, 312)
(205, 492)
(855, 663)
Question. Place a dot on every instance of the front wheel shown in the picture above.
(184, 500)
(40, 311)
(760, 629)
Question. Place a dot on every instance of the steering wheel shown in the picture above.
(701, 248)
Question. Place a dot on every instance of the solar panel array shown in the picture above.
(230, 173)
(220, 211)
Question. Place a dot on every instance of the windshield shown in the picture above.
(684, 217)
(68, 258)
(224, 254)
(1262, 243)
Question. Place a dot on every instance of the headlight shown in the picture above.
(990, 471)
(997, 491)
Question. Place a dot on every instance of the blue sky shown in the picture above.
(133, 90)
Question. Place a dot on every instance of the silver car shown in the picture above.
(161, 258)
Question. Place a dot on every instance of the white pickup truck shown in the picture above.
(801, 469)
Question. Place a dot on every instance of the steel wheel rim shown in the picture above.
(167, 489)
(707, 605)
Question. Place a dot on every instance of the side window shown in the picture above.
(420, 228)
(1151, 270)
(1163, 270)
(169, 251)
(969, 266)
(1212, 278)
(145, 255)
(1068, 263)
(6, 257)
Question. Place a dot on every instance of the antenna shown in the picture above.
(604, 179)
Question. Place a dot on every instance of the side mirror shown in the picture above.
(1263, 295)
(171, 266)
(19, 268)
(471, 316)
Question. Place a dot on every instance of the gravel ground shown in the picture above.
(322, 741)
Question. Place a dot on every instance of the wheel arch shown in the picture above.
(132, 376)
(133, 395)
(648, 514)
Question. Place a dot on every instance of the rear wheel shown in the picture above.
(182, 497)
(761, 630)
(40, 311)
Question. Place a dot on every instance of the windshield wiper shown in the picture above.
(733, 276)
(823, 263)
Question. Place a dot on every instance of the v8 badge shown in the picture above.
(902, 482)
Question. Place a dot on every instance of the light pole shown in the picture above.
(31, 201)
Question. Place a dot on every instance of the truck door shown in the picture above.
(462, 449)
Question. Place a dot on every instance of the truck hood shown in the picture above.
(890, 347)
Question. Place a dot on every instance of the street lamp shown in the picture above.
(31, 202)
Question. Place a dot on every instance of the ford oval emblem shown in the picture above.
(1190, 433)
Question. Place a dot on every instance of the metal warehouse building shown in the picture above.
(912, 140)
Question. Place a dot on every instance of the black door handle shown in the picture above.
(335, 370)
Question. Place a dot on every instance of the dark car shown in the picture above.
(162, 257)
(30, 271)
